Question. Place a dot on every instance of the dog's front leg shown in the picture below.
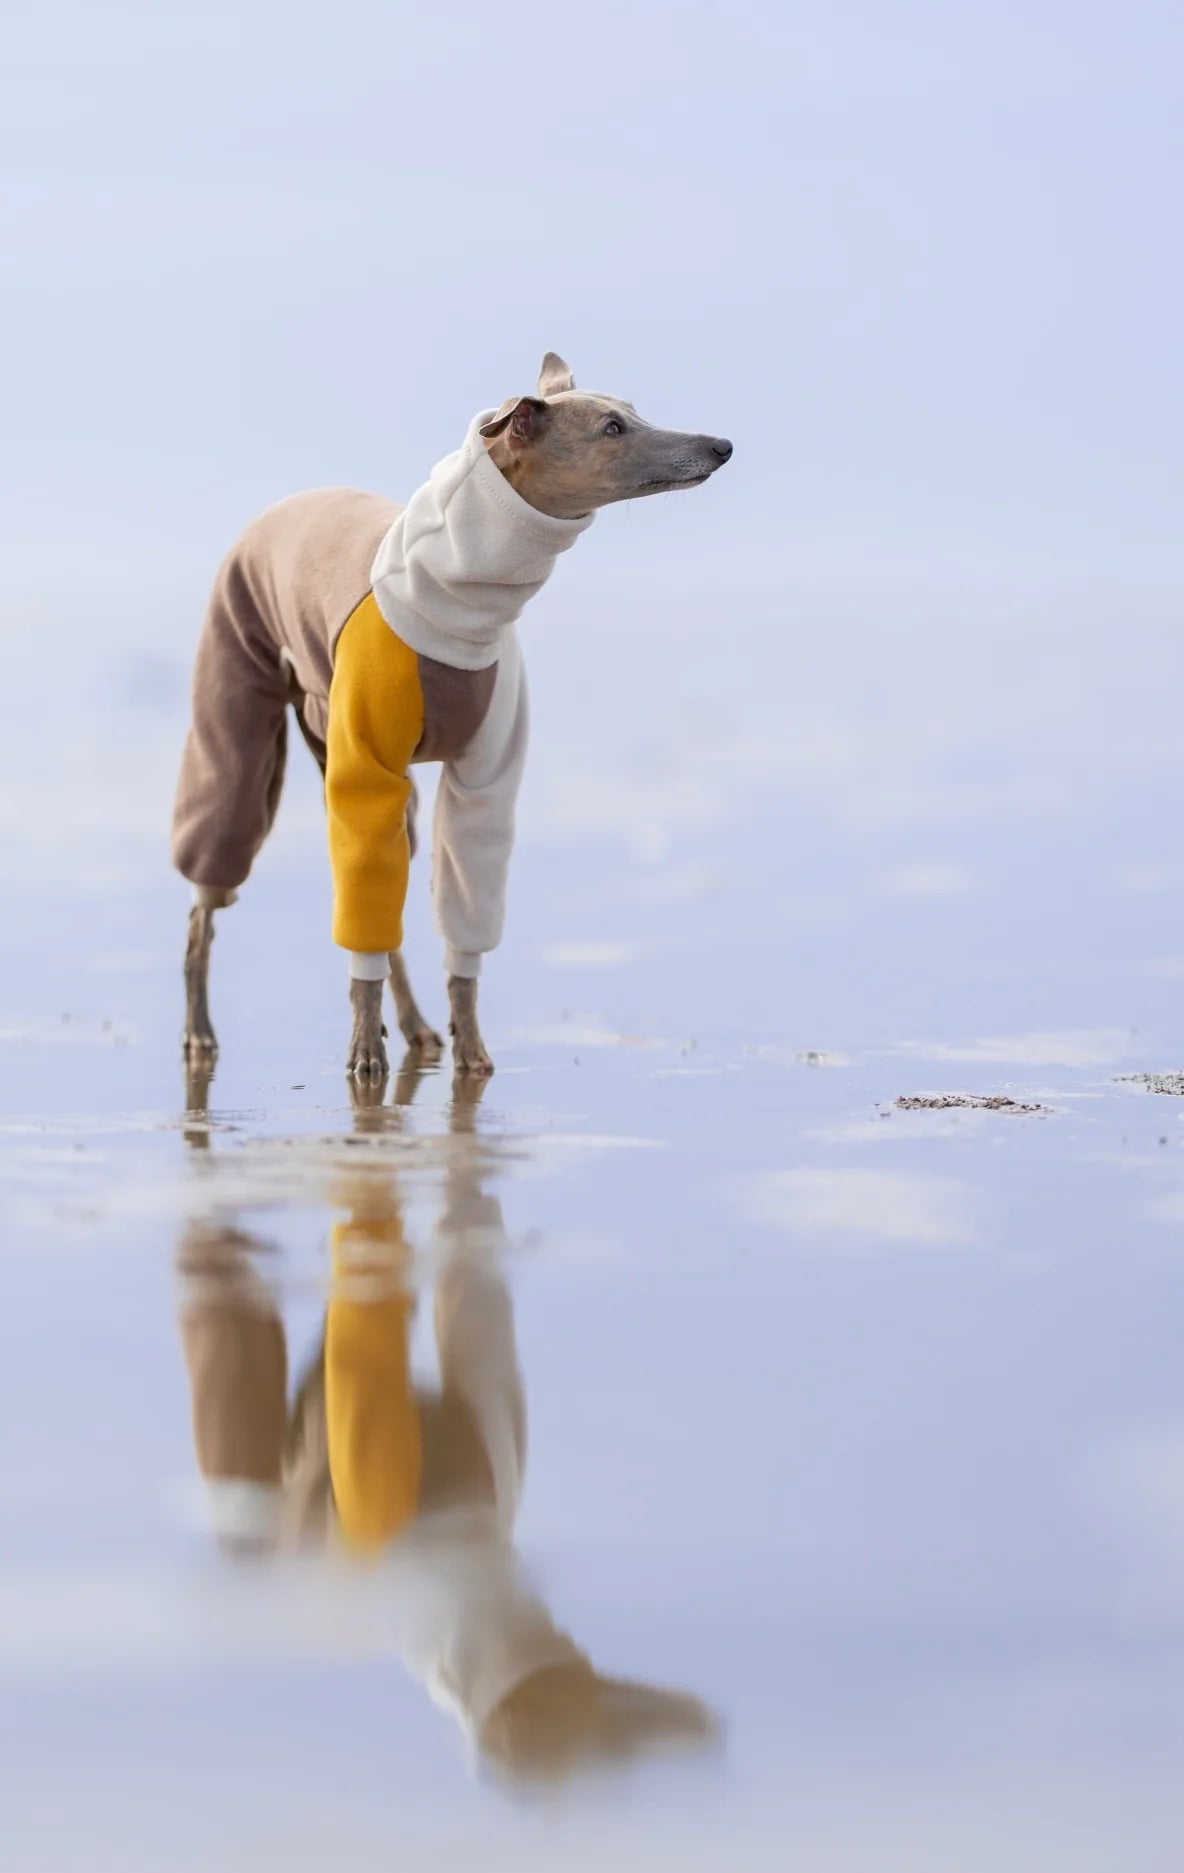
(367, 1046)
(468, 1049)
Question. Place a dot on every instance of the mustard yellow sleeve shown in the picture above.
(374, 1430)
(375, 726)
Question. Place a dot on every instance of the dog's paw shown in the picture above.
(425, 1044)
(470, 1056)
(199, 1078)
(367, 1060)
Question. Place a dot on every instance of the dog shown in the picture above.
(391, 633)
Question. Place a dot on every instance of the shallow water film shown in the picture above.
(750, 1424)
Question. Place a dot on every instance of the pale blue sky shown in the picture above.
(919, 260)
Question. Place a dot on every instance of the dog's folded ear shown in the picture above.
(524, 417)
(555, 376)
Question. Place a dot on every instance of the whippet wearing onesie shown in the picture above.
(391, 633)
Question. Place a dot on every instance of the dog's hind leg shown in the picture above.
(199, 1043)
(232, 775)
(416, 1031)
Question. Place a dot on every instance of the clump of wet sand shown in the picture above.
(964, 1102)
(1171, 1084)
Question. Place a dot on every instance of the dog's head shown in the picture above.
(569, 451)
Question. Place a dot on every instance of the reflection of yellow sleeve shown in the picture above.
(375, 726)
(375, 1437)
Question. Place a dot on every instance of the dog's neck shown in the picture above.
(517, 471)
(470, 549)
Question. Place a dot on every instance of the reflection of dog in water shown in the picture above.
(424, 1481)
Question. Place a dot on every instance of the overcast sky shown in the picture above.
(920, 261)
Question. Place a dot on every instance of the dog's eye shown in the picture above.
(613, 427)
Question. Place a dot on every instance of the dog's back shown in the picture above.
(299, 570)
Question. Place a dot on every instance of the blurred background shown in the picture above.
(917, 649)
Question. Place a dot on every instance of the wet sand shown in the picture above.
(856, 1423)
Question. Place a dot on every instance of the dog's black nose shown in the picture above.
(723, 448)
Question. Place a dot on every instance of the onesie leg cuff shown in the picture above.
(369, 965)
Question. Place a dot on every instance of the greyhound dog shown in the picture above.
(391, 632)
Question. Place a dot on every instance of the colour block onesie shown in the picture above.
(392, 633)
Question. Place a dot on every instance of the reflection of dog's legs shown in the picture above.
(199, 1043)
(368, 1097)
(417, 1032)
(558, 1713)
(475, 1338)
(236, 1353)
(373, 1441)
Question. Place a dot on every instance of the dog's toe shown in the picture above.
(474, 1061)
(427, 1044)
